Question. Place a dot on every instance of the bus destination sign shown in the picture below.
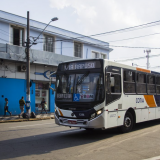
(81, 65)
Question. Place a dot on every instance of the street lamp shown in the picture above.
(53, 19)
(28, 60)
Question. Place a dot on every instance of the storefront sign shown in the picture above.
(45, 74)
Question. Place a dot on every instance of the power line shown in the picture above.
(116, 31)
(134, 47)
(129, 59)
(134, 37)
(120, 30)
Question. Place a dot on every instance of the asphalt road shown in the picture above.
(45, 140)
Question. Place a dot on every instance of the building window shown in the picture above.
(77, 49)
(17, 36)
(103, 56)
(95, 54)
(48, 43)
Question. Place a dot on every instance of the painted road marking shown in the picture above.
(153, 158)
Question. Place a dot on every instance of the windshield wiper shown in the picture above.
(82, 78)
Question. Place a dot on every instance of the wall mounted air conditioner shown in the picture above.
(22, 68)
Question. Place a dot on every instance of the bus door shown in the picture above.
(113, 95)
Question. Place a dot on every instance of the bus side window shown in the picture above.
(151, 88)
(113, 83)
(129, 81)
(116, 80)
(141, 83)
(158, 84)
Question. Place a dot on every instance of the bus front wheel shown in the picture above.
(128, 123)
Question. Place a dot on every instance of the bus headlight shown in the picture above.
(99, 112)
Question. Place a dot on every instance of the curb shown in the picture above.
(25, 119)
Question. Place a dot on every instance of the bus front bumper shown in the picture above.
(97, 122)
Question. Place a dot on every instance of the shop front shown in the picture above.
(43, 93)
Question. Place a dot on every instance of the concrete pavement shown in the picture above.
(17, 119)
(44, 140)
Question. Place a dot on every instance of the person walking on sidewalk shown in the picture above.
(6, 107)
(21, 103)
(43, 104)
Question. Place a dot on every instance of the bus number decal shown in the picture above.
(139, 100)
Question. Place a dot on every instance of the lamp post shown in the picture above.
(28, 45)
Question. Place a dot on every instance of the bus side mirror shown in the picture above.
(112, 81)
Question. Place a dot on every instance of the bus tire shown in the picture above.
(128, 123)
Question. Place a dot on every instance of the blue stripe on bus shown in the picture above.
(157, 99)
(153, 72)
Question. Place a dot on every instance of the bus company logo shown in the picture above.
(81, 114)
(139, 100)
(86, 96)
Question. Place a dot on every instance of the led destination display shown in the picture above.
(80, 65)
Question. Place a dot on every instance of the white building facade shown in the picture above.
(54, 45)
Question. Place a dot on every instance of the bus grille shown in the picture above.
(75, 107)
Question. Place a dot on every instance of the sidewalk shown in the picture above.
(17, 119)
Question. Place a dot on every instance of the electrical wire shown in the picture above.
(134, 37)
(121, 30)
(129, 59)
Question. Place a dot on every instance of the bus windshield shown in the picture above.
(80, 87)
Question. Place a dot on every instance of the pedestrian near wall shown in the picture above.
(21, 103)
(43, 104)
(6, 107)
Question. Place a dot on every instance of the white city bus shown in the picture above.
(98, 93)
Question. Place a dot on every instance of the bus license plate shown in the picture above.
(72, 122)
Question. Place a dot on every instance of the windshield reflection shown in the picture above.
(87, 87)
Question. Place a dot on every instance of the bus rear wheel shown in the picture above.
(128, 123)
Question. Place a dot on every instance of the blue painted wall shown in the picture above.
(32, 97)
(13, 89)
(52, 99)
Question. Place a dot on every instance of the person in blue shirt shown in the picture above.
(6, 107)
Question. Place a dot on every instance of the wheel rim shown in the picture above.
(127, 122)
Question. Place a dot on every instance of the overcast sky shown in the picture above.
(90, 17)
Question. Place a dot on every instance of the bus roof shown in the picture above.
(112, 63)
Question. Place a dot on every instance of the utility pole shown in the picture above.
(28, 45)
(28, 65)
(147, 56)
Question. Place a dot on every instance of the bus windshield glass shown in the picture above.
(84, 87)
